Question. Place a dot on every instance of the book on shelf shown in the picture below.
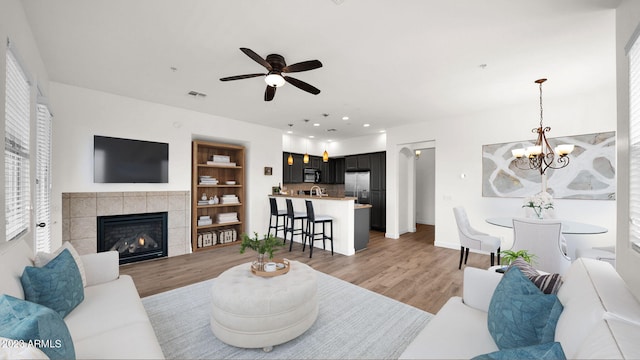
(221, 158)
(230, 164)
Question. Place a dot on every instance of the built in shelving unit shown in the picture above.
(217, 171)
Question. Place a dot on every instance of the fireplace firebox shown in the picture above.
(136, 237)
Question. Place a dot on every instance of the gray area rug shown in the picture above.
(353, 323)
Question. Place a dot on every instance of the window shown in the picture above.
(16, 149)
(43, 179)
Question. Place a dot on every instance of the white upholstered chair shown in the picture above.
(543, 238)
(474, 239)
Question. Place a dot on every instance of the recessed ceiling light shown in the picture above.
(366, 125)
(316, 124)
(289, 132)
(345, 118)
(382, 131)
(329, 140)
(311, 136)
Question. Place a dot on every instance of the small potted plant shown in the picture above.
(509, 256)
(267, 245)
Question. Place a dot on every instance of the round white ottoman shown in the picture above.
(250, 311)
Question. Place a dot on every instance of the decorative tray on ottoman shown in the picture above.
(282, 267)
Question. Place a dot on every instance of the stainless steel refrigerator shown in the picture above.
(356, 184)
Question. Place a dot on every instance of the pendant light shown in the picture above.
(290, 158)
(305, 158)
(541, 156)
(325, 156)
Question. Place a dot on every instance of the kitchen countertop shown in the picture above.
(315, 197)
(362, 206)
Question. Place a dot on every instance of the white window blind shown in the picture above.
(634, 145)
(43, 179)
(16, 149)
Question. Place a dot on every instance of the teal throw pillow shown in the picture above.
(520, 314)
(548, 351)
(57, 285)
(33, 324)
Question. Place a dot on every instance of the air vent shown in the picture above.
(332, 130)
(196, 94)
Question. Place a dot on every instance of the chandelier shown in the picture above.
(541, 156)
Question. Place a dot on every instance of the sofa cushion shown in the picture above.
(13, 349)
(35, 324)
(520, 314)
(548, 283)
(14, 257)
(57, 285)
(457, 331)
(105, 307)
(547, 351)
(43, 258)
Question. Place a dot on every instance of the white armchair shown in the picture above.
(474, 239)
(543, 238)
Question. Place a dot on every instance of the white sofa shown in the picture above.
(600, 320)
(110, 323)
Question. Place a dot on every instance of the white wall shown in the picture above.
(627, 260)
(459, 151)
(358, 145)
(82, 113)
(14, 26)
(425, 187)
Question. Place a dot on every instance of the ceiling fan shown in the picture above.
(274, 78)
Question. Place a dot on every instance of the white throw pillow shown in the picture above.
(15, 349)
(43, 258)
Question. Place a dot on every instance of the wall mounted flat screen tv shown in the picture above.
(117, 160)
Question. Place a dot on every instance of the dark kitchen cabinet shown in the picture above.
(339, 164)
(351, 162)
(378, 210)
(364, 162)
(296, 168)
(314, 162)
(286, 169)
(378, 175)
(327, 172)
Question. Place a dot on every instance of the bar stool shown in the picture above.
(311, 234)
(277, 214)
(290, 225)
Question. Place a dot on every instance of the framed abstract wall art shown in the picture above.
(591, 173)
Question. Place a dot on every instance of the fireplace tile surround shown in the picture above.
(80, 212)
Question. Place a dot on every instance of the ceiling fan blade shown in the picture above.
(239, 77)
(257, 58)
(269, 93)
(302, 85)
(302, 66)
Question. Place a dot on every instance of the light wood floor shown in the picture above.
(409, 269)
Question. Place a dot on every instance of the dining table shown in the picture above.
(576, 234)
(568, 226)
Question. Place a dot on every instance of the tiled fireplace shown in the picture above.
(80, 212)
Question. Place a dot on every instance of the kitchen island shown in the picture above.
(341, 209)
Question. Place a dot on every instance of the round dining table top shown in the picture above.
(568, 227)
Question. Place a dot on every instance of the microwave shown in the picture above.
(311, 176)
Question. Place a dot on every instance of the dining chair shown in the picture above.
(311, 234)
(290, 224)
(277, 214)
(542, 238)
(471, 238)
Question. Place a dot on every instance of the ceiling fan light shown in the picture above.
(274, 80)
